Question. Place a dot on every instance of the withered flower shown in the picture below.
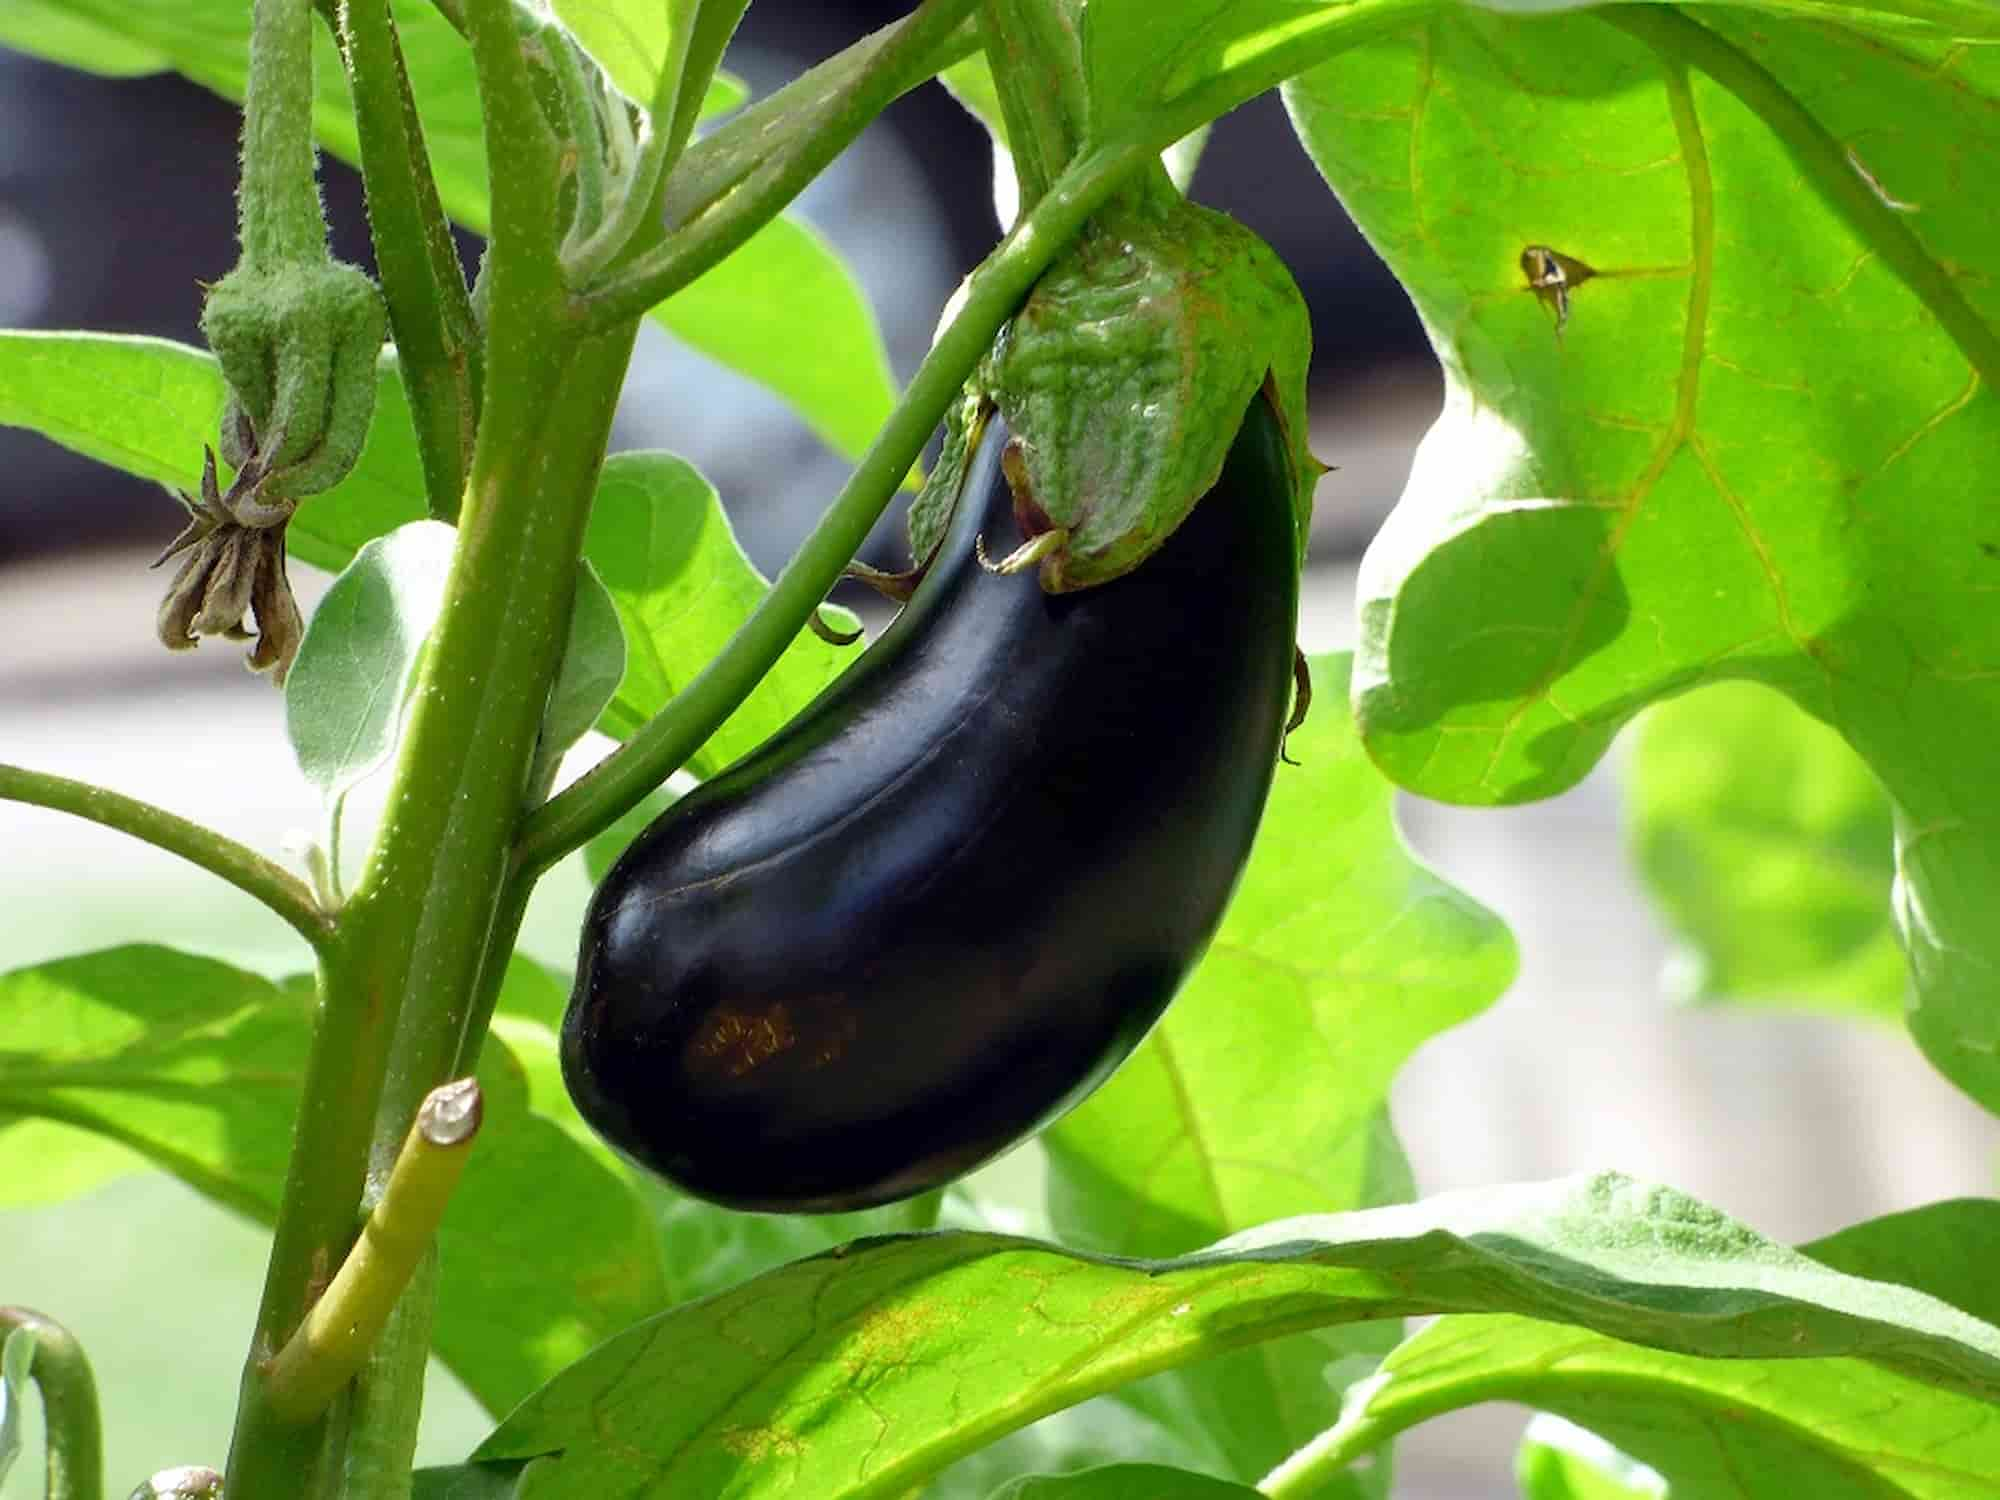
(234, 569)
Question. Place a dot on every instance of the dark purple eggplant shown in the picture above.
(944, 902)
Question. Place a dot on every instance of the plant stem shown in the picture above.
(430, 312)
(992, 293)
(818, 100)
(72, 1431)
(280, 222)
(638, 193)
(792, 161)
(284, 893)
(329, 1347)
(396, 979)
(1037, 63)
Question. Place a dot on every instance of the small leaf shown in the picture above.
(345, 697)
(1558, 1460)
(661, 543)
(17, 1357)
(1768, 843)
(593, 664)
(1125, 1482)
(863, 1371)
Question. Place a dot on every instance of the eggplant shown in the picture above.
(941, 905)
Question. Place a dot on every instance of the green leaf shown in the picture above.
(48, 1163)
(860, 1372)
(1559, 1460)
(783, 310)
(592, 667)
(53, 30)
(17, 1357)
(198, 1066)
(1942, 1249)
(1263, 1092)
(147, 405)
(661, 543)
(1751, 1427)
(1766, 841)
(1745, 456)
(1124, 1482)
(346, 694)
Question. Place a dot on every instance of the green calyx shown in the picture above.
(297, 344)
(296, 334)
(1125, 377)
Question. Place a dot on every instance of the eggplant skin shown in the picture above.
(944, 902)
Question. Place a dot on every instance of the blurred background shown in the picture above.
(116, 201)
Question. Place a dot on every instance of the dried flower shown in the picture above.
(234, 569)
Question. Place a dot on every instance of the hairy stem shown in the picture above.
(992, 294)
(73, 1433)
(280, 221)
(284, 893)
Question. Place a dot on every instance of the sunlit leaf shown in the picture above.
(664, 549)
(1263, 1093)
(345, 696)
(1742, 454)
(861, 1372)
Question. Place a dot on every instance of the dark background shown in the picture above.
(116, 202)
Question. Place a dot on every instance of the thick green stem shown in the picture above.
(430, 312)
(72, 1432)
(411, 937)
(284, 893)
(992, 294)
(792, 159)
(278, 200)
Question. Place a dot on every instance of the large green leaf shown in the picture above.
(197, 1066)
(1262, 1094)
(783, 310)
(663, 547)
(1751, 451)
(1753, 1427)
(1767, 842)
(860, 1372)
